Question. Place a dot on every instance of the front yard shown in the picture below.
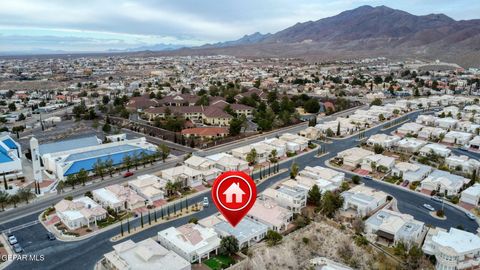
(219, 262)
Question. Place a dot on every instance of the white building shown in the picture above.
(206, 166)
(354, 156)
(118, 198)
(409, 128)
(292, 198)
(324, 178)
(453, 250)
(10, 157)
(438, 149)
(192, 242)
(465, 164)
(471, 195)
(394, 227)
(431, 133)
(410, 145)
(377, 162)
(457, 137)
(149, 187)
(187, 176)
(79, 212)
(226, 162)
(268, 212)
(384, 140)
(446, 123)
(363, 200)
(443, 182)
(411, 172)
(144, 255)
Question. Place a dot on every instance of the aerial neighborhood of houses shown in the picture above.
(384, 153)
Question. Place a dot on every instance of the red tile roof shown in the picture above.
(205, 131)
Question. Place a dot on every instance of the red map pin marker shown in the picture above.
(234, 194)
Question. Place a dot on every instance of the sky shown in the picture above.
(101, 25)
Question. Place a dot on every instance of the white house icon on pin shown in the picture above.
(234, 189)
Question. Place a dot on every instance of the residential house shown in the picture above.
(431, 133)
(463, 163)
(471, 195)
(147, 254)
(311, 133)
(292, 139)
(324, 178)
(79, 212)
(280, 146)
(377, 162)
(226, 162)
(384, 140)
(410, 145)
(206, 166)
(410, 128)
(270, 213)
(118, 198)
(247, 231)
(187, 176)
(455, 249)
(394, 227)
(149, 187)
(438, 149)
(411, 172)
(244, 151)
(443, 182)
(191, 241)
(474, 144)
(354, 156)
(292, 198)
(363, 200)
(457, 137)
(446, 123)
(205, 132)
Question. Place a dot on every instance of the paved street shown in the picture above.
(84, 254)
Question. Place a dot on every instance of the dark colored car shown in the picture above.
(17, 248)
(50, 236)
(405, 183)
(127, 174)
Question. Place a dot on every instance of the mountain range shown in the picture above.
(361, 32)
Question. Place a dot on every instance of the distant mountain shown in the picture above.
(245, 40)
(364, 31)
(153, 48)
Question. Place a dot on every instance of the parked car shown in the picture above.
(367, 177)
(12, 240)
(50, 236)
(127, 174)
(437, 199)
(405, 183)
(205, 202)
(429, 207)
(470, 216)
(17, 248)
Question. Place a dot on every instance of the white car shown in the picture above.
(470, 216)
(205, 202)
(429, 207)
(12, 240)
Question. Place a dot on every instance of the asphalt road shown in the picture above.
(84, 254)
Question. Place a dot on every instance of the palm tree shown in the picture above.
(135, 160)
(109, 166)
(14, 199)
(169, 187)
(71, 180)
(82, 176)
(163, 151)
(4, 198)
(99, 168)
(25, 194)
(127, 162)
(143, 158)
(60, 186)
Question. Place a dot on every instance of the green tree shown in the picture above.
(107, 128)
(312, 105)
(25, 194)
(356, 179)
(127, 162)
(12, 107)
(381, 117)
(4, 198)
(236, 125)
(71, 180)
(378, 149)
(228, 245)
(376, 102)
(314, 196)
(273, 238)
(252, 156)
(331, 202)
(163, 151)
(99, 168)
(14, 199)
(330, 133)
(338, 129)
(273, 156)
(294, 170)
(82, 176)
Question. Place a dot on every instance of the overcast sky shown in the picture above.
(97, 25)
